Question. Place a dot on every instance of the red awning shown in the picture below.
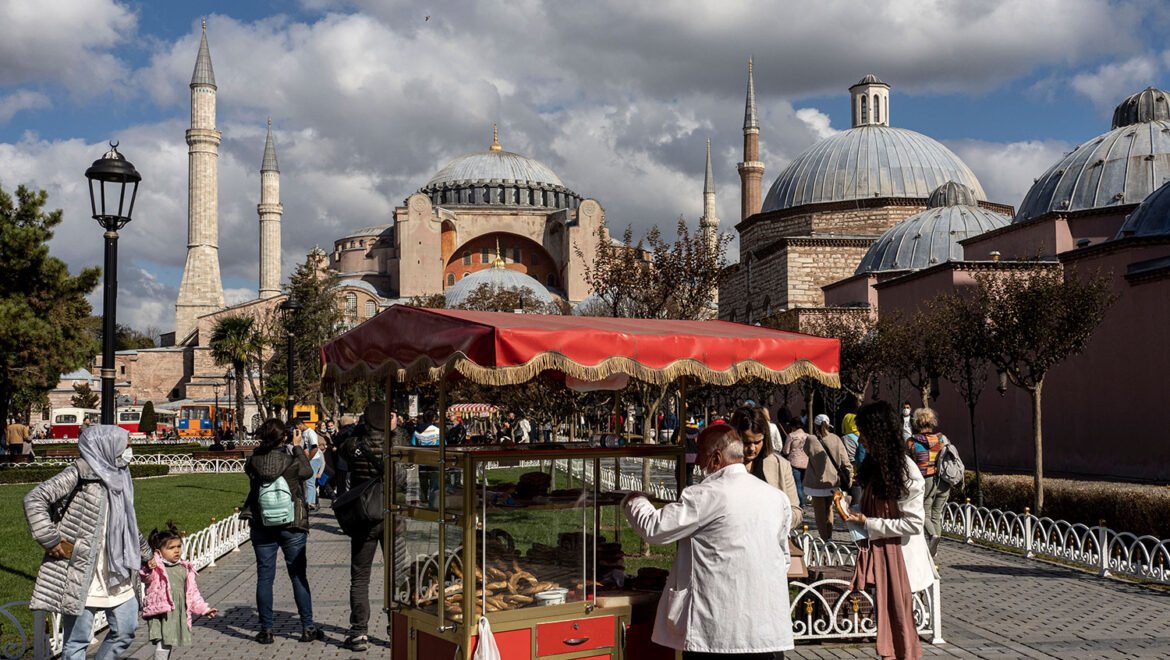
(472, 409)
(495, 348)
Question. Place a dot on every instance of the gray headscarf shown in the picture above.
(101, 447)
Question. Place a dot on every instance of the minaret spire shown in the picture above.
(751, 170)
(201, 291)
(270, 210)
(709, 223)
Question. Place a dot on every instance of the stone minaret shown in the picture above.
(709, 223)
(270, 210)
(202, 290)
(751, 170)
(870, 100)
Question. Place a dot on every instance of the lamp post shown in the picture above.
(230, 378)
(215, 417)
(113, 171)
(288, 311)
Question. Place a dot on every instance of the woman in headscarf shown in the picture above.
(893, 560)
(84, 519)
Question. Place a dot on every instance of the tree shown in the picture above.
(1035, 319)
(149, 422)
(42, 307)
(684, 275)
(490, 298)
(857, 330)
(84, 396)
(316, 322)
(232, 343)
(917, 350)
(616, 272)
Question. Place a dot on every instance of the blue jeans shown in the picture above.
(123, 619)
(798, 476)
(265, 542)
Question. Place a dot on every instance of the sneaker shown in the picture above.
(265, 637)
(357, 642)
(313, 634)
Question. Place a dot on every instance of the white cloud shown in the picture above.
(817, 122)
(1110, 83)
(1007, 170)
(19, 101)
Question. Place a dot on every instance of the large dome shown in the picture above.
(932, 236)
(1116, 168)
(499, 278)
(869, 161)
(1152, 218)
(498, 178)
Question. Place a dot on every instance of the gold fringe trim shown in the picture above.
(425, 369)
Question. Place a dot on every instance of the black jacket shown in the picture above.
(362, 449)
(262, 468)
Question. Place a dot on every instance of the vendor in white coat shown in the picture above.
(728, 589)
(894, 560)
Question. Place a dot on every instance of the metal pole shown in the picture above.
(288, 407)
(216, 417)
(109, 325)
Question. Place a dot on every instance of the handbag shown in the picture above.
(844, 480)
(361, 507)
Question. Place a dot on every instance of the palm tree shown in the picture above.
(232, 343)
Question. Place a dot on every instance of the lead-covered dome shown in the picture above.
(1116, 168)
(869, 161)
(498, 178)
(1151, 218)
(499, 278)
(932, 236)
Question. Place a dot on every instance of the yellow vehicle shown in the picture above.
(308, 414)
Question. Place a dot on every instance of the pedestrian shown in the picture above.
(362, 448)
(727, 593)
(524, 429)
(893, 560)
(827, 463)
(794, 451)
(172, 593)
(774, 435)
(16, 438)
(761, 462)
(84, 519)
(312, 445)
(907, 426)
(277, 471)
(925, 446)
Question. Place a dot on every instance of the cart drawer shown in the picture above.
(575, 635)
(513, 644)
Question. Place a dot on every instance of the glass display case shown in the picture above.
(534, 536)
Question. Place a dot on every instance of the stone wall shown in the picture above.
(791, 276)
(861, 218)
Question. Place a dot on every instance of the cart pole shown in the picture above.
(388, 489)
(442, 476)
(681, 467)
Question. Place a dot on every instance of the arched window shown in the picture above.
(516, 254)
(483, 255)
(465, 275)
(466, 258)
(877, 110)
(351, 303)
(371, 309)
(450, 279)
(533, 258)
(864, 111)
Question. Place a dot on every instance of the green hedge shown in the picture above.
(1135, 508)
(33, 475)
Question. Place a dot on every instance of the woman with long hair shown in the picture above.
(753, 428)
(893, 560)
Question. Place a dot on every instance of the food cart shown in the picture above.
(535, 558)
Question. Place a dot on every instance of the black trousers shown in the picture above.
(361, 560)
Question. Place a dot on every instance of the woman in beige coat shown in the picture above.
(761, 461)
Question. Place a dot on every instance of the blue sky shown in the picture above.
(369, 98)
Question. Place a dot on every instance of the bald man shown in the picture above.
(727, 594)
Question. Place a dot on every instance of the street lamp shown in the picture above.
(288, 311)
(215, 417)
(230, 378)
(113, 171)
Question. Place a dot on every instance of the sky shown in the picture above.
(369, 98)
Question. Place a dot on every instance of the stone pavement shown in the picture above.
(995, 605)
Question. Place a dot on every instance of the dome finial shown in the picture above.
(495, 138)
(499, 263)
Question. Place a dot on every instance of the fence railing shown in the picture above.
(178, 463)
(47, 635)
(1097, 548)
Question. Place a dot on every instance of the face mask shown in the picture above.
(905, 413)
(125, 457)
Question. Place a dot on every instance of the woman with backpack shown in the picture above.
(277, 471)
(925, 447)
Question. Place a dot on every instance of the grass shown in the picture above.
(189, 500)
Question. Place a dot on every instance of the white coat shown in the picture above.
(916, 554)
(728, 589)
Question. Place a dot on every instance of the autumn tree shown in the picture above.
(42, 307)
(616, 272)
(1036, 319)
(857, 330)
(917, 349)
(492, 298)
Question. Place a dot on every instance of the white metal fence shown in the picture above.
(1097, 548)
(178, 463)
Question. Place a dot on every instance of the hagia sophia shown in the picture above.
(875, 217)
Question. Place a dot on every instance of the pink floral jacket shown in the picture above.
(158, 591)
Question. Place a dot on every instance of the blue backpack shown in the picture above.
(276, 503)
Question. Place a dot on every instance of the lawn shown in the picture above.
(190, 500)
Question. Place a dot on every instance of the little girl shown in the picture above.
(171, 593)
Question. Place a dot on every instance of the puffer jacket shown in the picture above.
(263, 468)
(158, 591)
(62, 585)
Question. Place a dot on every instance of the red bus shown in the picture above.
(66, 424)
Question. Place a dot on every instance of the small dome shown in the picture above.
(930, 237)
(1147, 105)
(1151, 218)
(869, 161)
(952, 194)
(1120, 167)
(869, 79)
(499, 278)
